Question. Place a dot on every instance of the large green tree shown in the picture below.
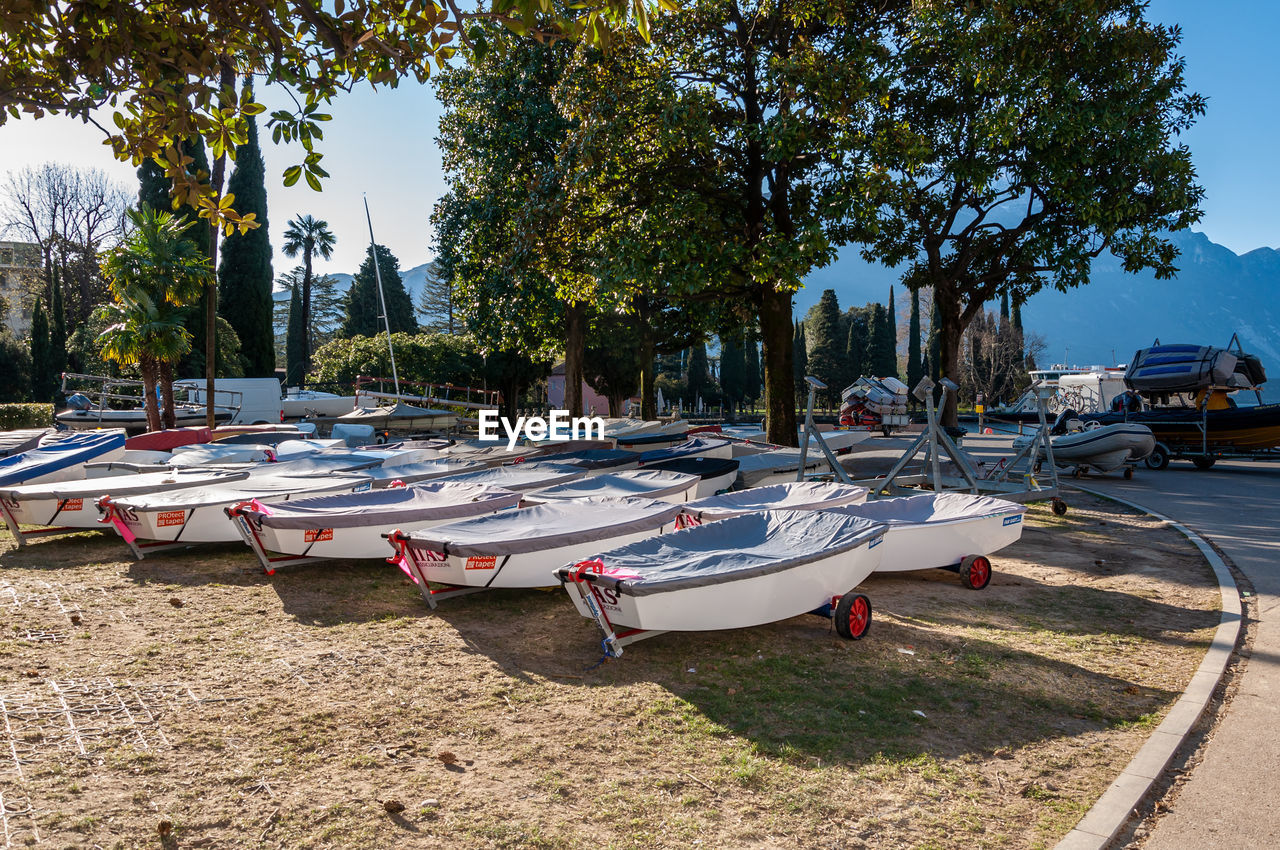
(1046, 135)
(365, 307)
(826, 343)
(244, 270)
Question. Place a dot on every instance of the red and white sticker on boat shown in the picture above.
(73, 505)
(313, 535)
(487, 562)
(170, 518)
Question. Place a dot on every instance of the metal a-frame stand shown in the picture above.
(810, 431)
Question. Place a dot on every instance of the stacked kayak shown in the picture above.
(943, 530)
(60, 461)
(791, 496)
(740, 572)
(672, 487)
(522, 548)
(352, 525)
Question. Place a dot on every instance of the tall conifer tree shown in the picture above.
(799, 360)
(935, 343)
(295, 343)
(363, 307)
(57, 327)
(40, 389)
(244, 268)
(891, 332)
(751, 386)
(915, 368)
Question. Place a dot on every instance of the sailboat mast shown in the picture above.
(382, 301)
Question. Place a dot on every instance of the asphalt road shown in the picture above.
(1230, 797)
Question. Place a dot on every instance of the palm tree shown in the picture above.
(310, 237)
(153, 275)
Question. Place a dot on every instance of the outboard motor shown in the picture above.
(1061, 424)
(79, 402)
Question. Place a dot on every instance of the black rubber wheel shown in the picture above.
(852, 616)
(1059, 507)
(1159, 457)
(1203, 462)
(975, 571)
(887, 431)
(1128, 473)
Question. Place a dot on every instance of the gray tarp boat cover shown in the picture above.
(733, 549)
(523, 476)
(390, 415)
(1179, 368)
(791, 496)
(753, 469)
(421, 471)
(316, 465)
(692, 447)
(208, 454)
(931, 507)
(254, 487)
(645, 483)
(124, 485)
(429, 502)
(592, 459)
(703, 467)
(547, 526)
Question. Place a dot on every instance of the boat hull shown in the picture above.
(924, 546)
(743, 603)
(1239, 428)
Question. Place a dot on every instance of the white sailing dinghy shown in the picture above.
(523, 476)
(740, 572)
(60, 507)
(151, 522)
(62, 459)
(353, 525)
(717, 474)
(792, 496)
(951, 531)
(522, 548)
(674, 487)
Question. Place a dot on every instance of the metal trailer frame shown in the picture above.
(270, 563)
(407, 560)
(21, 537)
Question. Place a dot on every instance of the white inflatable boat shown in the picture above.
(1103, 448)
(522, 548)
(954, 531)
(353, 525)
(740, 572)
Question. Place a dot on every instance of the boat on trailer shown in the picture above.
(740, 572)
(522, 548)
(57, 508)
(791, 496)
(1099, 447)
(154, 522)
(353, 525)
(950, 531)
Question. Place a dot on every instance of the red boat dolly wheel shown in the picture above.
(852, 616)
(975, 571)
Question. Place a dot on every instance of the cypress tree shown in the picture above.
(58, 329)
(699, 379)
(935, 344)
(915, 369)
(879, 344)
(733, 367)
(244, 268)
(40, 389)
(799, 360)
(1004, 307)
(1018, 339)
(752, 379)
(363, 309)
(891, 330)
(295, 349)
(856, 345)
(153, 187)
(827, 360)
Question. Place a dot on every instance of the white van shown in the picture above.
(254, 401)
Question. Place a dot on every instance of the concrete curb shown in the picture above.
(1114, 808)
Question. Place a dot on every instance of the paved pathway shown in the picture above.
(1230, 798)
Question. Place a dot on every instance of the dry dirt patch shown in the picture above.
(190, 701)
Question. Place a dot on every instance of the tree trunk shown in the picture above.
(779, 382)
(615, 406)
(148, 368)
(168, 416)
(575, 335)
(950, 333)
(648, 398)
(306, 316)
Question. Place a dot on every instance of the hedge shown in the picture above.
(15, 416)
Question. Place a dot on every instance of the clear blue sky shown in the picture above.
(383, 143)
